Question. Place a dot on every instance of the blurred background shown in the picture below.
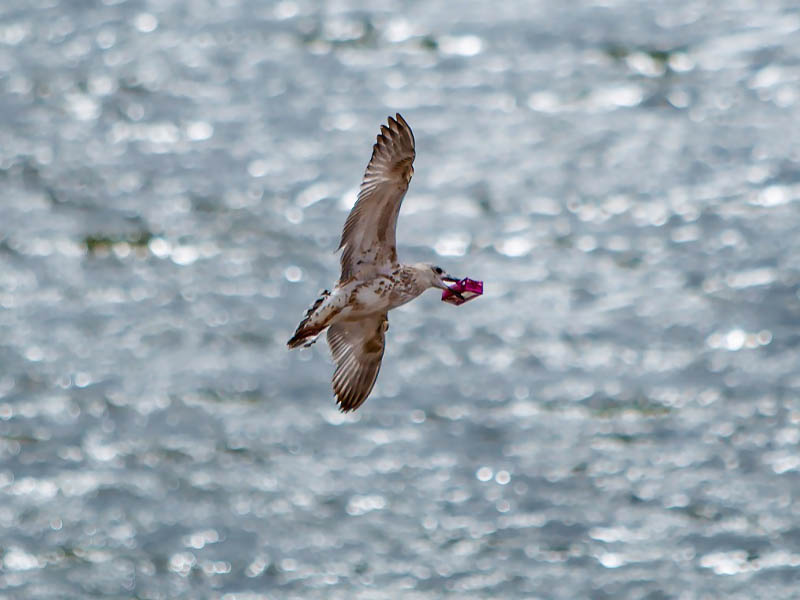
(619, 415)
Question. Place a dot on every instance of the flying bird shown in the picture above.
(355, 312)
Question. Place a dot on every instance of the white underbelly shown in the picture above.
(374, 297)
(378, 295)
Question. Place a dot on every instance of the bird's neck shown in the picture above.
(411, 281)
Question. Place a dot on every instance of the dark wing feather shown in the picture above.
(357, 348)
(368, 238)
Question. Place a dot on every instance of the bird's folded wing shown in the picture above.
(357, 348)
(368, 238)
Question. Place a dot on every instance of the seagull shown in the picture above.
(355, 312)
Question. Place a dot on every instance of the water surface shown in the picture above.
(618, 417)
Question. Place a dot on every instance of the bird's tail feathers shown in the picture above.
(303, 338)
(306, 332)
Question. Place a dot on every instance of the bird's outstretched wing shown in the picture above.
(368, 237)
(357, 348)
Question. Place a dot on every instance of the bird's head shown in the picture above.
(435, 276)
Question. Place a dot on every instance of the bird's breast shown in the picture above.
(380, 294)
(371, 296)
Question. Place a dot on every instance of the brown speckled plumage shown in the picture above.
(372, 282)
(368, 237)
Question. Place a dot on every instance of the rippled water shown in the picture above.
(619, 415)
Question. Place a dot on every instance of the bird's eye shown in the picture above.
(438, 270)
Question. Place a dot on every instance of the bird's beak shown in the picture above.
(450, 279)
(447, 279)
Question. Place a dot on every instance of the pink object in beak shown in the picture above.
(468, 288)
